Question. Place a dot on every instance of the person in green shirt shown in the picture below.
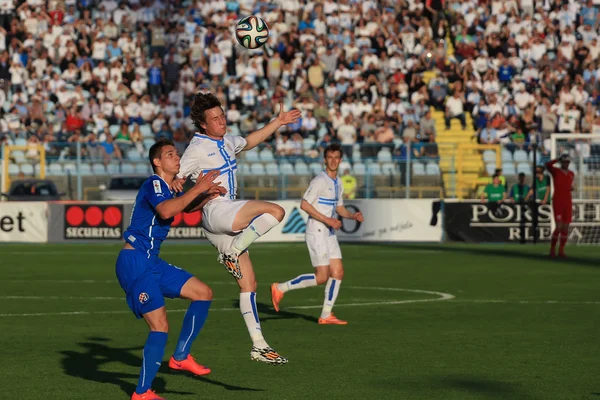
(519, 191)
(542, 187)
(494, 192)
(349, 184)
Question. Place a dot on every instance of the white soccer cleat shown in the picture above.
(267, 355)
(232, 264)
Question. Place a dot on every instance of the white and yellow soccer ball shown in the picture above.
(252, 32)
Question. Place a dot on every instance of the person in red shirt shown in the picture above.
(562, 203)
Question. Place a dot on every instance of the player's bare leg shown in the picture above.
(563, 241)
(332, 288)
(557, 236)
(201, 297)
(254, 220)
(303, 281)
(261, 351)
(153, 353)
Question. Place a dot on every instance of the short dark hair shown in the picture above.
(332, 148)
(202, 102)
(156, 149)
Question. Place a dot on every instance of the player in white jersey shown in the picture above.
(322, 201)
(232, 225)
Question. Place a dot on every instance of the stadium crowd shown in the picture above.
(118, 75)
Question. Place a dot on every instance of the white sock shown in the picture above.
(257, 228)
(331, 293)
(250, 314)
(299, 282)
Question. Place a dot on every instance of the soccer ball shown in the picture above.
(252, 32)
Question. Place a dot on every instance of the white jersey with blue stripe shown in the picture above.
(206, 154)
(324, 194)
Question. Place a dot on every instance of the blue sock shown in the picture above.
(192, 324)
(154, 350)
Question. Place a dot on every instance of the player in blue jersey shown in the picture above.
(147, 279)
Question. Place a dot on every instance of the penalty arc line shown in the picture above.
(441, 297)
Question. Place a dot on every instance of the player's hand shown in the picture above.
(289, 117)
(544, 202)
(334, 223)
(205, 182)
(358, 217)
(177, 184)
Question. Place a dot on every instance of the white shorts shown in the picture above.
(217, 221)
(322, 247)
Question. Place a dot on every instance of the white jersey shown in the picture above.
(324, 194)
(206, 154)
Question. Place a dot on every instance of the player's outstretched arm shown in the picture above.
(284, 118)
(315, 214)
(345, 213)
(205, 183)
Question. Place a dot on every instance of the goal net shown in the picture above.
(584, 149)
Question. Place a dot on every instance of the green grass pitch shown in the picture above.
(451, 322)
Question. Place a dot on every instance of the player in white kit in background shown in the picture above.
(322, 201)
(232, 225)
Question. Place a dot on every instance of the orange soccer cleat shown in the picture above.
(149, 395)
(332, 320)
(189, 364)
(276, 295)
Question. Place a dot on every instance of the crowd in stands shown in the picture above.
(117, 75)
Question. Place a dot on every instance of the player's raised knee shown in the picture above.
(277, 211)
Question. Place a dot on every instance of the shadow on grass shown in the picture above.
(88, 365)
(504, 251)
(267, 309)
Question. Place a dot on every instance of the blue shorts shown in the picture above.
(146, 281)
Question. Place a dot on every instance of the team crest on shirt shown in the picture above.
(144, 298)
(157, 188)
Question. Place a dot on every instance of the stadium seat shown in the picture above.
(98, 169)
(520, 156)
(388, 169)
(86, 170)
(27, 169)
(384, 155)
(286, 169)
(524, 167)
(573, 167)
(508, 168)
(142, 168)
(301, 169)
(54, 169)
(258, 169)
(432, 169)
(506, 156)
(489, 156)
(359, 169)
(148, 143)
(20, 142)
(113, 129)
(272, 169)
(13, 169)
(127, 169)
(315, 168)
(356, 155)
(18, 156)
(70, 168)
(113, 169)
(538, 157)
(234, 130)
(252, 156)
(146, 131)
(245, 169)
(266, 155)
(134, 155)
(374, 169)
(490, 168)
(308, 143)
(418, 168)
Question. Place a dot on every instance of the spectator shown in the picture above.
(494, 192)
(519, 190)
(455, 109)
(349, 184)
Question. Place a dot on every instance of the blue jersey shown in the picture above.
(147, 230)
